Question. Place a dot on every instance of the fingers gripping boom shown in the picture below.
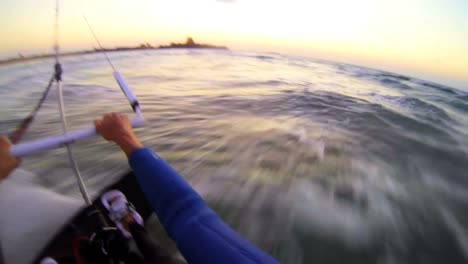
(7, 162)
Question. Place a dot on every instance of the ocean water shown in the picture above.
(314, 161)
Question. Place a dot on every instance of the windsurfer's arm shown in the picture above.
(8, 163)
(201, 236)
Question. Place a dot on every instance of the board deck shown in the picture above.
(61, 246)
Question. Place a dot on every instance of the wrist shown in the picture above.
(129, 143)
(4, 174)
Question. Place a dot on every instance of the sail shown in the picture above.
(31, 216)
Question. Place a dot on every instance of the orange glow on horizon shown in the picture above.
(409, 36)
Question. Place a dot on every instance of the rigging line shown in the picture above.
(99, 43)
(123, 86)
(57, 66)
(56, 40)
(22, 128)
(58, 81)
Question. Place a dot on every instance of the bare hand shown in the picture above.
(7, 162)
(117, 128)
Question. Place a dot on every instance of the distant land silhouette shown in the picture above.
(189, 44)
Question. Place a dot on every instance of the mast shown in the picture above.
(58, 141)
(61, 105)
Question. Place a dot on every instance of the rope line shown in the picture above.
(21, 129)
(99, 43)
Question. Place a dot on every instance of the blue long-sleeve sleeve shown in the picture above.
(201, 236)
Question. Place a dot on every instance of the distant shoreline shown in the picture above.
(190, 44)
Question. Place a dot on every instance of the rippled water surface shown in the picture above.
(316, 162)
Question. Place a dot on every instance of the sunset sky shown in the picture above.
(421, 38)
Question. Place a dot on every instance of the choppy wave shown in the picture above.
(316, 162)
